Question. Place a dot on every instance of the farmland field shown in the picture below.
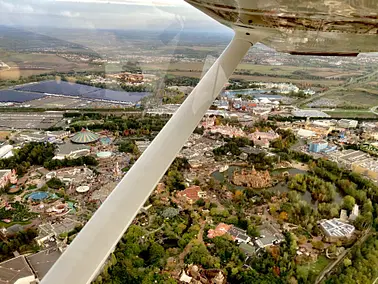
(328, 83)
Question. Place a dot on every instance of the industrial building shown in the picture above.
(33, 137)
(318, 146)
(309, 113)
(335, 228)
(350, 157)
(369, 168)
(304, 133)
(347, 123)
(71, 151)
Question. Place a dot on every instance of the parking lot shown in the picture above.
(29, 120)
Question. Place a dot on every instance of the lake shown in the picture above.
(279, 187)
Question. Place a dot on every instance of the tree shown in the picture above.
(175, 180)
(128, 146)
(170, 212)
(347, 262)
(156, 254)
(238, 196)
(200, 202)
(253, 231)
(348, 202)
(197, 182)
(199, 255)
(55, 183)
(283, 216)
(318, 245)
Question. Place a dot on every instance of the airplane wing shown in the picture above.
(316, 27)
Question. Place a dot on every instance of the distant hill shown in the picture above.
(17, 39)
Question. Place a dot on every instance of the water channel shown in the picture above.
(279, 187)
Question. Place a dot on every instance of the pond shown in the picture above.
(279, 187)
(227, 175)
(38, 196)
(71, 206)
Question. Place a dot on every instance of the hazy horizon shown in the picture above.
(99, 14)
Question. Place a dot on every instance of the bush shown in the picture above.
(55, 183)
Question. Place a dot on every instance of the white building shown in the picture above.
(71, 151)
(33, 137)
(58, 134)
(309, 113)
(335, 228)
(343, 215)
(355, 213)
(304, 133)
(347, 123)
(6, 151)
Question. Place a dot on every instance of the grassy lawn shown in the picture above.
(315, 267)
(6, 225)
(351, 114)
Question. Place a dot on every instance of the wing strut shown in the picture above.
(83, 259)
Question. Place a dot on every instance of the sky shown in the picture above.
(105, 14)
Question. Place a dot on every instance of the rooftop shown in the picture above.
(4, 172)
(336, 228)
(191, 193)
(57, 133)
(238, 233)
(248, 249)
(14, 269)
(310, 113)
(84, 136)
(14, 229)
(68, 147)
(220, 230)
(66, 225)
(269, 235)
(42, 261)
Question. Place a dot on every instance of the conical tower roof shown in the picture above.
(84, 137)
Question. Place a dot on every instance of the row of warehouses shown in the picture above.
(357, 161)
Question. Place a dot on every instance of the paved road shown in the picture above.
(331, 266)
(374, 110)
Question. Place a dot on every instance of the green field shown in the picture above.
(6, 225)
(351, 114)
(315, 267)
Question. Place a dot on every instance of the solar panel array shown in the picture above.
(18, 97)
(58, 88)
(79, 90)
(105, 94)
